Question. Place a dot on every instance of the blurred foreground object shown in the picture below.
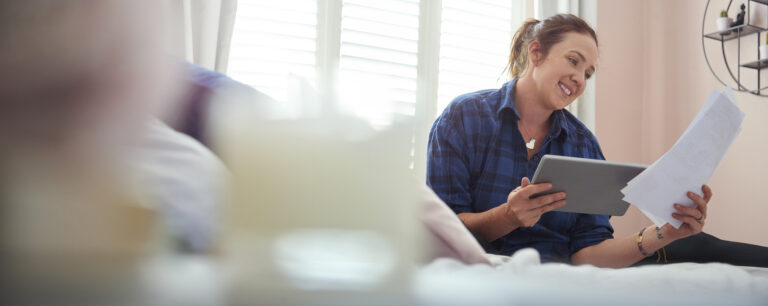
(323, 211)
(77, 77)
(70, 236)
(185, 182)
(78, 81)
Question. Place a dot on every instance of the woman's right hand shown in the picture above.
(522, 211)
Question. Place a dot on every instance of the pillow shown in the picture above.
(185, 182)
(201, 88)
(449, 236)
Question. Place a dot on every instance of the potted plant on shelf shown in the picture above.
(764, 49)
(724, 22)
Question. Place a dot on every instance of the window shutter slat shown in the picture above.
(273, 41)
(377, 67)
(474, 46)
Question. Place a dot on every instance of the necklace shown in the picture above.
(531, 143)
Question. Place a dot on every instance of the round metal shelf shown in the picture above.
(737, 33)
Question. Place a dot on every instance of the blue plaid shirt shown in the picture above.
(476, 156)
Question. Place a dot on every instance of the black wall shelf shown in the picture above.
(737, 33)
(760, 64)
(733, 32)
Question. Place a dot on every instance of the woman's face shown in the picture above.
(561, 76)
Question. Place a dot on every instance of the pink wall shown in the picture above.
(652, 79)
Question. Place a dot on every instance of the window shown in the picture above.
(274, 44)
(474, 46)
(380, 59)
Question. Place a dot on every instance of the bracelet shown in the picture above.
(639, 241)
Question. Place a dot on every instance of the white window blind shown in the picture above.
(367, 56)
(274, 44)
(377, 68)
(474, 46)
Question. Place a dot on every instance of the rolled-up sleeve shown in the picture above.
(590, 230)
(448, 165)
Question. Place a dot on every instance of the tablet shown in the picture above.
(591, 186)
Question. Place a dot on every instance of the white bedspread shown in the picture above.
(523, 280)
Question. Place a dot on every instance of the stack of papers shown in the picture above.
(690, 163)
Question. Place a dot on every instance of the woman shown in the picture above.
(488, 142)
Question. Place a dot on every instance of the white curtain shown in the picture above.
(207, 31)
(546, 8)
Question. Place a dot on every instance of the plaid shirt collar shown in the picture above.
(507, 96)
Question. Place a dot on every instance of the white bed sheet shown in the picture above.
(523, 280)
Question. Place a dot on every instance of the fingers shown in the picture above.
(531, 217)
(550, 207)
(525, 182)
(547, 199)
(695, 225)
(690, 211)
(532, 189)
(701, 203)
(707, 192)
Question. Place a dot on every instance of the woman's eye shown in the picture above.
(587, 76)
(573, 61)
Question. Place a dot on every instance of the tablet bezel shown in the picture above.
(592, 186)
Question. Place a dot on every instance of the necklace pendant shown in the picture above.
(531, 144)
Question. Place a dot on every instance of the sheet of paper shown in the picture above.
(690, 163)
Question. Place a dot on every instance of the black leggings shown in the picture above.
(699, 248)
(705, 248)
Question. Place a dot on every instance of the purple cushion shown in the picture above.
(202, 84)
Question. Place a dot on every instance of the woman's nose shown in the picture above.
(578, 79)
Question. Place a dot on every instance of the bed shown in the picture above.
(461, 273)
(522, 280)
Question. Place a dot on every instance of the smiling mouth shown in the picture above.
(565, 89)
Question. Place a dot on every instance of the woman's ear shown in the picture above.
(534, 53)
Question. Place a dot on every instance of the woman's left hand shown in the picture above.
(693, 218)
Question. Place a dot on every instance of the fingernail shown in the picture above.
(677, 205)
